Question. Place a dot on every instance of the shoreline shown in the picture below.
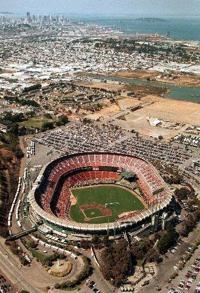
(180, 79)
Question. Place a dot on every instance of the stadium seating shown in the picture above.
(71, 169)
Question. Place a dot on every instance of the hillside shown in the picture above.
(9, 172)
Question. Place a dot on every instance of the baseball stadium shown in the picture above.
(97, 193)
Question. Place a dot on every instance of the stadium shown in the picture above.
(97, 193)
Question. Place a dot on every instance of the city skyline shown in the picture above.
(105, 7)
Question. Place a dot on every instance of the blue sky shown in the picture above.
(105, 7)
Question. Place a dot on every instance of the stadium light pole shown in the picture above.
(108, 226)
(114, 230)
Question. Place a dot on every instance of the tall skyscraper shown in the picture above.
(28, 17)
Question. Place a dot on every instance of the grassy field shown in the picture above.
(119, 200)
(35, 122)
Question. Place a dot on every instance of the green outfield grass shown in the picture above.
(123, 201)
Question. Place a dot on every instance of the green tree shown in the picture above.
(47, 126)
(167, 240)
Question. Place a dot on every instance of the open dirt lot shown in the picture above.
(110, 87)
(164, 109)
(127, 102)
(105, 112)
(110, 110)
(136, 74)
(173, 110)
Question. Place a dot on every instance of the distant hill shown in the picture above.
(6, 12)
(151, 19)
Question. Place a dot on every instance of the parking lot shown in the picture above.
(188, 279)
(5, 286)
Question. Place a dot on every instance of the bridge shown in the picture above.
(22, 234)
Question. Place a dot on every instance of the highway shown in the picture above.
(11, 269)
(8, 262)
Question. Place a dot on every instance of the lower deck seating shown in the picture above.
(62, 205)
(59, 204)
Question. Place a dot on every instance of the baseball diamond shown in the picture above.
(95, 192)
(107, 202)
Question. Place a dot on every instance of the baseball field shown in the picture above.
(103, 203)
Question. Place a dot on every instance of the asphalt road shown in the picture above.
(8, 263)
(101, 282)
(12, 270)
